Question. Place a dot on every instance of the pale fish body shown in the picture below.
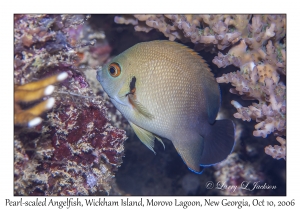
(166, 90)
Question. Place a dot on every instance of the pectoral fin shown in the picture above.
(145, 136)
(129, 91)
(139, 108)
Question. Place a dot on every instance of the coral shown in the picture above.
(259, 76)
(277, 152)
(261, 59)
(254, 43)
(206, 30)
(42, 42)
(94, 56)
(236, 172)
(77, 153)
(75, 150)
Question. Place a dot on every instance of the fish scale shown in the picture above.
(175, 97)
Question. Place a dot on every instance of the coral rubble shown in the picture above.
(75, 150)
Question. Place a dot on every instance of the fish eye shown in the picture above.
(114, 69)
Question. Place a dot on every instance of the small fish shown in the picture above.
(166, 90)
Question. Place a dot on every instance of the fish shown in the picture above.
(167, 91)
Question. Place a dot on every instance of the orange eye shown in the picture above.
(114, 69)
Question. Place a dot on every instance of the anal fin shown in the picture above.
(190, 150)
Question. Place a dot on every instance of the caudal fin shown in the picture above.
(218, 142)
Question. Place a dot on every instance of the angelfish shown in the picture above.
(166, 90)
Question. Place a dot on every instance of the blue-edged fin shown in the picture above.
(218, 142)
(190, 148)
(145, 136)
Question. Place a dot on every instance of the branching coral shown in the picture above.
(277, 152)
(261, 59)
(254, 43)
(75, 150)
(216, 30)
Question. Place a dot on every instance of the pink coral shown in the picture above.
(277, 152)
(261, 60)
(203, 29)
